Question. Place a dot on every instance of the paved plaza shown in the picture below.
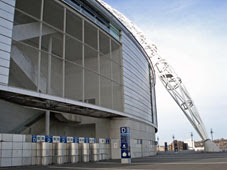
(162, 161)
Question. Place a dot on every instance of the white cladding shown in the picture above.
(136, 81)
(7, 8)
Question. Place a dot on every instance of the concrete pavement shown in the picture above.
(168, 161)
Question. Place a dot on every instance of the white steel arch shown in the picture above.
(168, 77)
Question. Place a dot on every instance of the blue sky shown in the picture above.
(192, 36)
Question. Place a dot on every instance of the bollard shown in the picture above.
(74, 152)
(94, 147)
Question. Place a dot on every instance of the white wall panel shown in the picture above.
(4, 63)
(4, 55)
(5, 40)
(136, 80)
(5, 47)
(4, 71)
(10, 2)
(7, 8)
(5, 23)
(6, 15)
(5, 31)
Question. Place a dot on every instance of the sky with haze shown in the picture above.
(192, 36)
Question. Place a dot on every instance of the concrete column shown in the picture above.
(47, 123)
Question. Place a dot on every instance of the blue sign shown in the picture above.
(63, 139)
(34, 138)
(86, 140)
(49, 139)
(124, 145)
(125, 130)
(75, 139)
(125, 142)
(107, 140)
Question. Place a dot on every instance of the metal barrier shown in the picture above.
(104, 149)
(59, 156)
(85, 152)
(94, 150)
(21, 150)
(74, 152)
(44, 153)
(94, 147)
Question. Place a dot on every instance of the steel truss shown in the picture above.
(167, 76)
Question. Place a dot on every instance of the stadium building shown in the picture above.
(70, 68)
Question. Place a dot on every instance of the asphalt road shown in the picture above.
(162, 161)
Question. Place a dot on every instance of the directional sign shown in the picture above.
(125, 142)
(63, 139)
(125, 154)
(124, 130)
(107, 140)
(49, 139)
(34, 138)
(75, 139)
(86, 140)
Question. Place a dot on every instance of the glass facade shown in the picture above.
(63, 54)
(94, 15)
(68, 55)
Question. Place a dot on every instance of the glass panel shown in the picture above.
(20, 18)
(43, 73)
(73, 50)
(23, 67)
(52, 41)
(90, 35)
(73, 81)
(56, 76)
(105, 66)
(104, 42)
(32, 7)
(106, 93)
(26, 29)
(57, 45)
(91, 87)
(90, 58)
(116, 72)
(73, 25)
(114, 32)
(117, 97)
(53, 14)
(116, 51)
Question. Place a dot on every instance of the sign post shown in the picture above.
(166, 147)
(125, 145)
